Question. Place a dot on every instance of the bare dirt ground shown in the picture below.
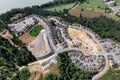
(26, 38)
(82, 37)
(7, 36)
(54, 69)
(41, 49)
(16, 16)
(37, 70)
(87, 12)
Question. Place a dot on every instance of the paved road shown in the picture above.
(106, 68)
(80, 49)
(47, 25)
(56, 51)
(62, 32)
(54, 54)
(70, 49)
(46, 56)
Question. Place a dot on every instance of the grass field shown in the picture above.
(116, 18)
(94, 4)
(111, 75)
(118, 3)
(61, 7)
(36, 30)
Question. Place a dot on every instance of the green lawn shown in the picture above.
(61, 7)
(118, 3)
(111, 75)
(94, 4)
(116, 18)
(36, 30)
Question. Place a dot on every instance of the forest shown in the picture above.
(104, 27)
(11, 57)
(68, 70)
(24, 74)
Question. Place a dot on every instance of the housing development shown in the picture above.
(61, 40)
(85, 48)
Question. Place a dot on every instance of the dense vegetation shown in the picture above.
(2, 25)
(7, 69)
(24, 74)
(68, 71)
(10, 57)
(105, 27)
(16, 53)
(36, 30)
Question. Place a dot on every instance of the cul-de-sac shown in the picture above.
(74, 43)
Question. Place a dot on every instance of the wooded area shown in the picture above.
(104, 27)
(69, 71)
(24, 74)
(11, 57)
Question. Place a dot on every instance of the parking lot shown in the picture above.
(89, 52)
(20, 26)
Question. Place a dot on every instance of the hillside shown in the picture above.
(12, 56)
(16, 54)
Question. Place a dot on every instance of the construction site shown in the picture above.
(40, 46)
(81, 37)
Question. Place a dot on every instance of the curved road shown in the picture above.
(106, 68)
(57, 51)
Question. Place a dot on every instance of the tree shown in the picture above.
(24, 74)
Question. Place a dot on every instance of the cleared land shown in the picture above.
(26, 38)
(40, 46)
(94, 4)
(37, 70)
(36, 30)
(7, 36)
(15, 17)
(82, 37)
(89, 12)
(61, 7)
(54, 68)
